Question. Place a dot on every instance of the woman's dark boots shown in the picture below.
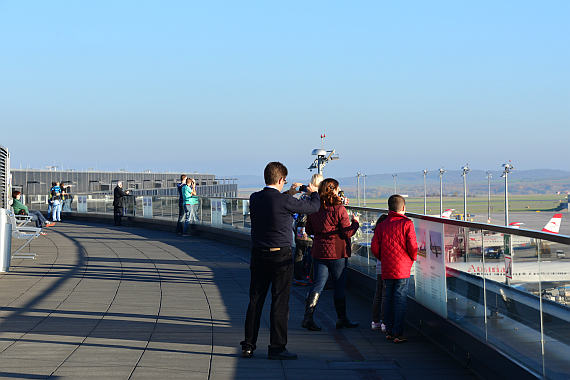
(343, 321)
(310, 305)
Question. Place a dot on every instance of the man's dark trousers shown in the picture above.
(181, 215)
(269, 268)
(118, 212)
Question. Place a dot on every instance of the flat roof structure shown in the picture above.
(104, 302)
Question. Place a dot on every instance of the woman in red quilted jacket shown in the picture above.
(332, 230)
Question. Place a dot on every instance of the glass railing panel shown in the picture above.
(362, 258)
(156, 204)
(206, 210)
(554, 292)
(235, 213)
(466, 262)
(513, 323)
(36, 202)
(227, 215)
(92, 202)
(244, 209)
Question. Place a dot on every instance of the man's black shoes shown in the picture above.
(247, 353)
(283, 355)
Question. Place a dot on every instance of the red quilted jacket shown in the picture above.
(332, 230)
(394, 244)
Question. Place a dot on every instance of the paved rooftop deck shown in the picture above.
(129, 303)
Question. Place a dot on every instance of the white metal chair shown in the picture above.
(23, 232)
(21, 219)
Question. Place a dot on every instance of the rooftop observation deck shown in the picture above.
(108, 302)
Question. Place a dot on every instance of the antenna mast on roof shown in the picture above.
(322, 158)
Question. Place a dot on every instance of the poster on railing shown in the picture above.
(430, 267)
(147, 207)
(82, 203)
(216, 210)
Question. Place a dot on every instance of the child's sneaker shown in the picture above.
(383, 326)
(389, 335)
(400, 338)
(376, 325)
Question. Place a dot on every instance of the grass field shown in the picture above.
(475, 205)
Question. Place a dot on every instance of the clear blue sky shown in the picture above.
(227, 86)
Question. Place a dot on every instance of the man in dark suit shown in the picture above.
(119, 203)
(271, 257)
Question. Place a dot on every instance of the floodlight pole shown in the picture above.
(464, 175)
(489, 176)
(425, 191)
(358, 175)
(441, 171)
(394, 176)
(508, 167)
(364, 185)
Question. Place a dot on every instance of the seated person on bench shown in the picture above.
(36, 216)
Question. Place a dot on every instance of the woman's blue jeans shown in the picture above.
(396, 299)
(191, 215)
(337, 269)
(56, 211)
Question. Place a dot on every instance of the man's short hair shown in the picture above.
(273, 172)
(182, 177)
(396, 202)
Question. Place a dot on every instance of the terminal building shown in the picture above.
(38, 182)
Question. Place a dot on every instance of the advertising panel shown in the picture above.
(216, 209)
(430, 267)
(82, 203)
(147, 207)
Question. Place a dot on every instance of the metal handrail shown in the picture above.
(562, 239)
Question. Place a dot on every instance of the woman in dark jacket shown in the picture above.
(332, 230)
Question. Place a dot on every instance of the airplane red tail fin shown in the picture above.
(553, 226)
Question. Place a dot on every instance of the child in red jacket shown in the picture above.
(394, 244)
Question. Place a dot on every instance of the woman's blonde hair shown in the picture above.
(316, 179)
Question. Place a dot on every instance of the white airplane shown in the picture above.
(497, 240)
(447, 213)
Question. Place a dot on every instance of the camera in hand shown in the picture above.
(303, 188)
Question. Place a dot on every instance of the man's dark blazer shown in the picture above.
(272, 216)
(118, 194)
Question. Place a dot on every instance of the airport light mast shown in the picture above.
(358, 175)
(364, 179)
(323, 157)
(489, 176)
(440, 175)
(394, 176)
(464, 175)
(508, 167)
(425, 194)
